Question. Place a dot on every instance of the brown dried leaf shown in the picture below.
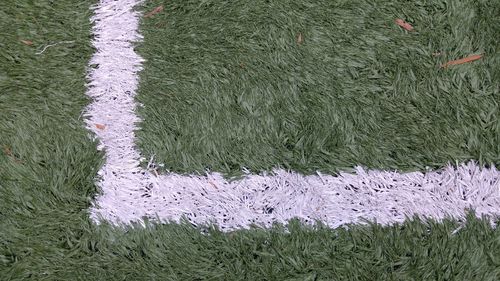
(300, 38)
(462, 60)
(27, 42)
(154, 12)
(9, 153)
(100, 126)
(404, 24)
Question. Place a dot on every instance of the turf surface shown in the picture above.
(47, 170)
(230, 85)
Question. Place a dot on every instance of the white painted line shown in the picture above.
(130, 193)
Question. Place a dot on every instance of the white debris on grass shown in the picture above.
(130, 193)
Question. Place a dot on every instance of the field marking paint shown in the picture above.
(130, 193)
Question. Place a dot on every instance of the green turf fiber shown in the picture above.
(47, 170)
(227, 85)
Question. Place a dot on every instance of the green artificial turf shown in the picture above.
(227, 85)
(47, 170)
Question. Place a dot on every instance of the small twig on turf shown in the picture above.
(52, 45)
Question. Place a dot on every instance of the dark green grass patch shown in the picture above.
(411, 251)
(47, 161)
(47, 170)
(229, 84)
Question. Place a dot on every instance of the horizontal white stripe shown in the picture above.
(130, 193)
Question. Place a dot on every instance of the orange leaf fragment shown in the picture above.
(27, 42)
(100, 126)
(404, 24)
(154, 12)
(9, 153)
(463, 60)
